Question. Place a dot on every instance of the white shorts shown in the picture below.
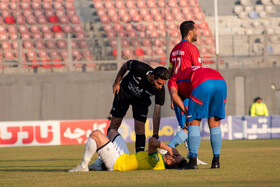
(112, 150)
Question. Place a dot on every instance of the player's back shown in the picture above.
(184, 55)
(139, 161)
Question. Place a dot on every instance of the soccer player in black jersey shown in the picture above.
(135, 89)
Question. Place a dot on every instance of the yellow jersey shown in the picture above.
(139, 161)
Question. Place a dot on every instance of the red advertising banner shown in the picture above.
(77, 132)
(29, 133)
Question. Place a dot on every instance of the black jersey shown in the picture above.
(137, 84)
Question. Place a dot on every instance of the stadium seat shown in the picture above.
(139, 52)
(4, 36)
(47, 5)
(109, 4)
(23, 29)
(6, 13)
(53, 19)
(172, 3)
(112, 12)
(58, 6)
(9, 55)
(56, 28)
(141, 4)
(42, 20)
(136, 43)
(128, 53)
(6, 45)
(62, 44)
(67, 28)
(69, 5)
(111, 34)
(75, 19)
(146, 42)
(28, 44)
(183, 4)
(130, 4)
(25, 6)
(15, 44)
(36, 5)
(125, 43)
(83, 44)
(74, 44)
(81, 35)
(40, 44)
(37, 36)
(77, 28)
(48, 35)
(126, 18)
(3, 29)
(60, 13)
(105, 19)
(35, 28)
(122, 12)
(49, 13)
(51, 44)
(161, 3)
(4, 5)
(9, 20)
(38, 13)
(45, 28)
(31, 20)
(98, 5)
(132, 34)
(59, 35)
(119, 4)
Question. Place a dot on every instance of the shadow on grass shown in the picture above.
(43, 160)
(33, 170)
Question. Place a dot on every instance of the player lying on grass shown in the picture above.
(115, 155)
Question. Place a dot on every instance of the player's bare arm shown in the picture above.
(177, 100)
(116, 85)
(155, 143)
(156, 119)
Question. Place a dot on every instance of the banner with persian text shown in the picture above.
(34, 133)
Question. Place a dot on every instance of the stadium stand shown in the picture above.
(43, 27)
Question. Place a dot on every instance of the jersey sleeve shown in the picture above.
(195, 57)
(135, 65)
(160, 96)
(172, 83)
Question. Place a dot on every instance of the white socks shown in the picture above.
(89, 152)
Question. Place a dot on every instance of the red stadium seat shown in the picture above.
(36, 5)
(154, 33)
(42, 20)
(6, 45)
(158, 18)
(183, 3)
(15, 44)
(160, 51)
(20, 20)
(132, 34)
(67, 28)
(4, 36)
(58, 6)
(47, 5)
(128, 53)
(40, 44)
(23, 29)
(56, 61)
(31, 20)
(9, 55)
(119, 4)
(113, 43)
(77, 55)
(4, 5)
(137, 18)
(112, 12)
(26, 36)
(60, 13)
(69, 6)
(157, 42)
(141, 4)
(139, 52)
(155, 11)
(37, 36)
(109, 4)
(200, 16)
(126, 18)
(152, 4)
(161, 26)
(78, 28)
(122, 12)
(111, 34)
(114, 52)
(62, 44)
(148, 18)
(161, 3)
(56, 28)
(146, 42)
(81, 35)
(49, 13)
(203, 25)
(75, 19)
(59, 35)
(25, 6)
(108, 27)
(9, 20)
(13, 6)
(105, 19)
(98, 5)
(45, 29)
(115, 19)
(48, 35)
(38, 13)
(130, 4)
(6, 13)
(53, 19)
(83, 44)
(2, 29)
(125, 43)
(71, 13)
(27, 13)
(64, 20)
(140, 27)
(133, 11)
(51, 44)
(28, 44)
(172, 3)
(43, 54)
(136, 43)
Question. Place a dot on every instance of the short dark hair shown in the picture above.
(186, 27)
(160, 72)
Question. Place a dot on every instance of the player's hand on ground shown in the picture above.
(116, 88)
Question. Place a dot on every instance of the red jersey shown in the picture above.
(187, 80)
(184, 55)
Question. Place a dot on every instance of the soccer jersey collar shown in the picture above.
(184, 41)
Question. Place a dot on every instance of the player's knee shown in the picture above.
(95, 133)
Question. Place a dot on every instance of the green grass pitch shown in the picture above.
(243, 163)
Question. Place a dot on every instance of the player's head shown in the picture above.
(160, 76)
(188, 31)
(175, 161)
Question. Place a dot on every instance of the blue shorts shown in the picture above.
(208, 100)
(181, 117)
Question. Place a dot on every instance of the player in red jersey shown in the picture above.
(207, 91)
(183, 55)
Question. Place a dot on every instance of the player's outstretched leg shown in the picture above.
(89, 152)
(216, 143)
(179, 138)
